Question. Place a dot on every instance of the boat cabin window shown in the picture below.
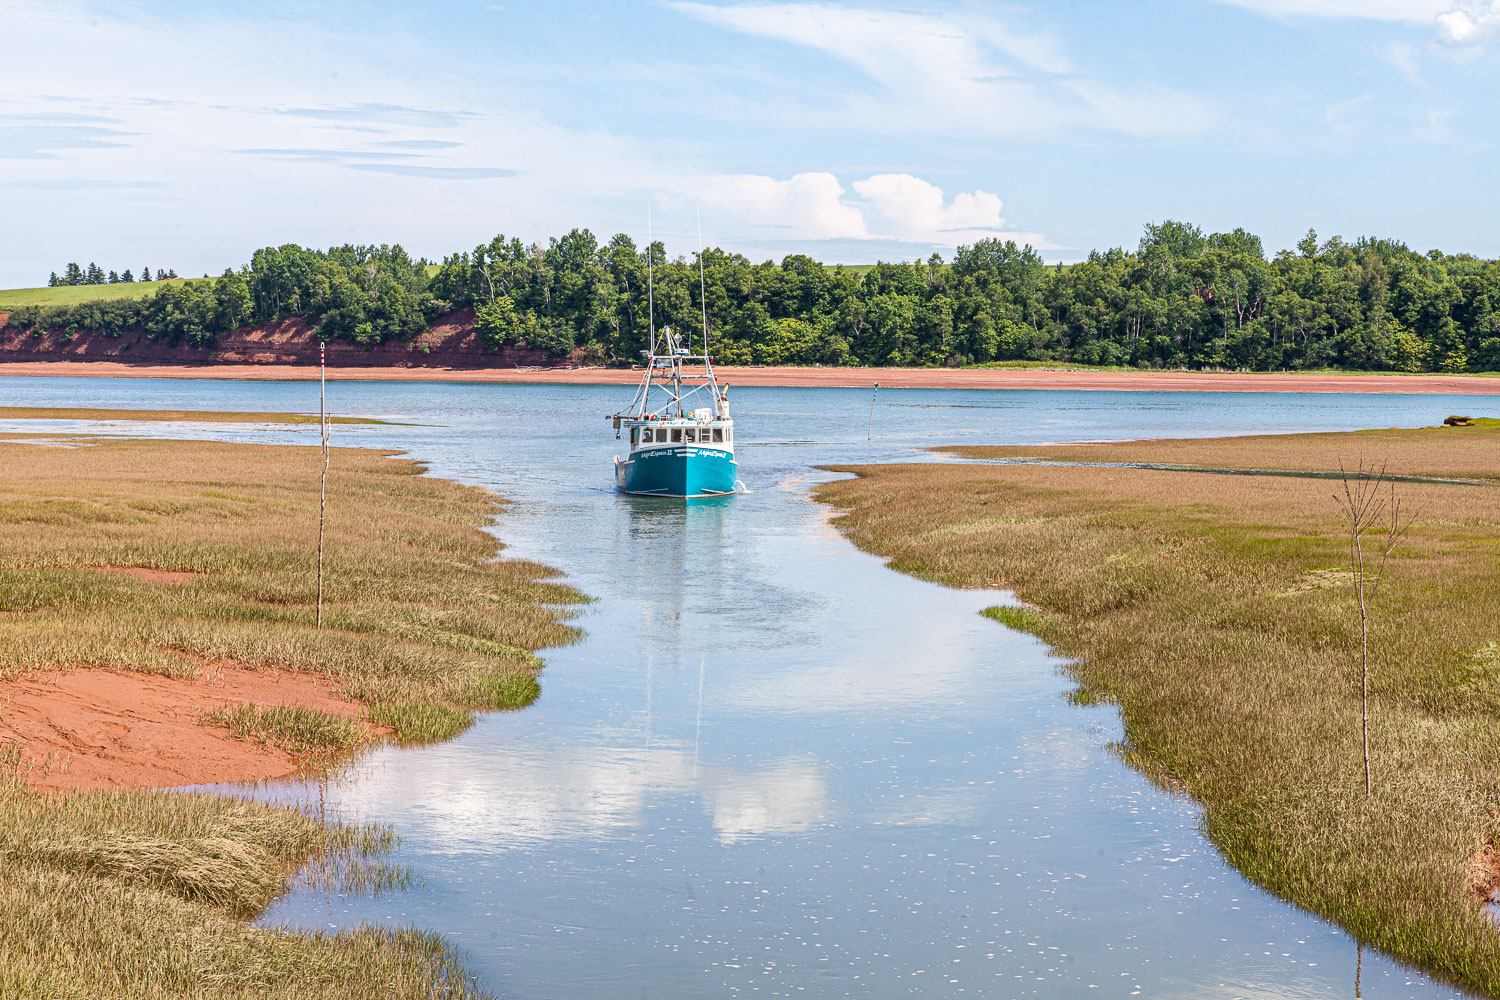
(645, 435)
(691, 436)
(635, 436)
(676, 435)
(718, 435)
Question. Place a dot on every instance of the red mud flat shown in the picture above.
(889, 378)
(101, 729)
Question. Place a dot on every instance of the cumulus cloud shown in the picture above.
(805, 206)
(905, 207)
(1470, 24)
(884, 207)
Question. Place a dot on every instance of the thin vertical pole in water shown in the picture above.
(323, 483)
(869, 431)
(702, 288)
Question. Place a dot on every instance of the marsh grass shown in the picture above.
(1216, 611)
(298, 729)
(145, 893)
(1440, 452)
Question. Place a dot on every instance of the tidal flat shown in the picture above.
(139, 571)
(1216, 610)
(173, 416)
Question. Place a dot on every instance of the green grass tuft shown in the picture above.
(297, 729)
(1020, 619)
(421, 721)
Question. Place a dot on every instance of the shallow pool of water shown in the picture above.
(774, 767)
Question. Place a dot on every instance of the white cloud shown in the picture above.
(958, 73)
(1414, 11)
(884, 207)
(805, 206)
(905, 207)
(1461, 23)
(1475, 23)
(274, 136)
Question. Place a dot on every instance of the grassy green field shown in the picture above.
(1216, 610)
(201, 416)
(144, 893)
(69, 295)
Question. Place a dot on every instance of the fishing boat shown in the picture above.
(679, 429)
(678, 425)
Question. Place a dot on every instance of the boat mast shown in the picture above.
(650, 286)
(703, 297)
(650, 317)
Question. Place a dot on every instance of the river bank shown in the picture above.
(889, 378)
(1216, 611)
(157, 600)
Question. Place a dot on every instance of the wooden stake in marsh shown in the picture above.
(323, 479)
(870, 430)
(1362, 508)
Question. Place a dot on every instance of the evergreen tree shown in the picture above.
(52, 281)
(161, 275)
(72, 274)
(114, 279)
(172, 274)
(96, 274)
(145, 274)
(127, 277)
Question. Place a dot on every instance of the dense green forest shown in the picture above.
(1182, 298)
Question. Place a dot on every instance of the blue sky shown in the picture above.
(173, 135)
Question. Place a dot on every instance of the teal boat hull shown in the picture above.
(678, 471)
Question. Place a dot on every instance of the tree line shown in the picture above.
(73, 274)
(1180, 298)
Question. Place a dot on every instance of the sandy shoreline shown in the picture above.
(889, 378)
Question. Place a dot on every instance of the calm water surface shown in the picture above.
(774, 767)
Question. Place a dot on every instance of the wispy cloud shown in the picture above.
(1435, 127)
(75, 184)
(420, 144)
(1412, 11)
(387, 114)
(337, 156)
(938, 71)
(32, 136)
(436, 173)
(1460, 23)
(381, 161)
